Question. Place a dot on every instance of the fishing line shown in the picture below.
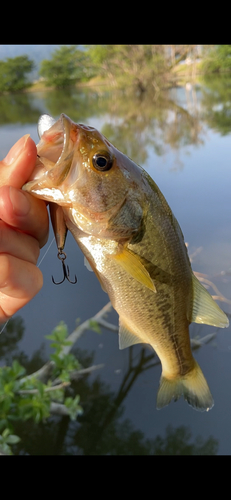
(39, 264)
(43, 257)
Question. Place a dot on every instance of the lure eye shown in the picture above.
(102, 161)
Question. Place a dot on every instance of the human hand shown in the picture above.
(23, 230)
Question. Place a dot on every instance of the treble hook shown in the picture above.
(62, 256)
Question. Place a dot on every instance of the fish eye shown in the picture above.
(102, 161)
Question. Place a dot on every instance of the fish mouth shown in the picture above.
(63, 135)
(55, 153)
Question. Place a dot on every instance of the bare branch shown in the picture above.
(107, 325)
(44, 372)
(76, 334)
(79, 373)
(219, 295)
(195, 343)
(59, 409)
(41, 374)
(48, 389)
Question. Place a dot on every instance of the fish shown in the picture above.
(131, 240)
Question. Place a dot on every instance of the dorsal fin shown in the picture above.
(204, 308)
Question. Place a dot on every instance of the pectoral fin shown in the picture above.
(204, 308)
(133, 265)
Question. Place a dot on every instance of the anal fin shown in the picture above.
(126, 336)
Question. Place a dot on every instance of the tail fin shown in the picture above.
(192, 386)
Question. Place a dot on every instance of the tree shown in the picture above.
(64, 68)
(217, 59)
(140, 66)
(13, 73)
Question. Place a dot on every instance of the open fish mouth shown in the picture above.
(56, 147)
(55, 154)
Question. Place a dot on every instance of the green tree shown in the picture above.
(217, 59)
(65, 68)
(13, 73)
(141, 66)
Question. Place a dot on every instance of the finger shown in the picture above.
(20, 281)
(17, 166)
(25, 212)
(20, 245)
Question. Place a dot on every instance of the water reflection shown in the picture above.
(101, 430)
(216, 103)
(10, 336)
(133, 123)
(10, 339)
(19, 108)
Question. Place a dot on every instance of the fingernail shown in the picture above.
(19, 202)
(16, 150)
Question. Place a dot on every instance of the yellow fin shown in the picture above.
(133, 265)
(192, 386)
(126, 337)
(205, 309)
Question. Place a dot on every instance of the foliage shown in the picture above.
(26, 397)
(41, 398)
(217, 59)
(13, 73)
(141, 66)
(64, 365)
(65, 67)
(5, 440)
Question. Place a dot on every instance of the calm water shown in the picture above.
(183, 140)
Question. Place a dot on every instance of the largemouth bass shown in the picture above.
(132, 241)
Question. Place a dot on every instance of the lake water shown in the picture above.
(182, 138)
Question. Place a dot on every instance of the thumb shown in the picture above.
(17, 166)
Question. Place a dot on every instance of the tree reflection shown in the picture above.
(176, 442)
(101, 430)
(134, 123)
(12, 333)
(216, 103)
(78, 104)
(19, 108)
